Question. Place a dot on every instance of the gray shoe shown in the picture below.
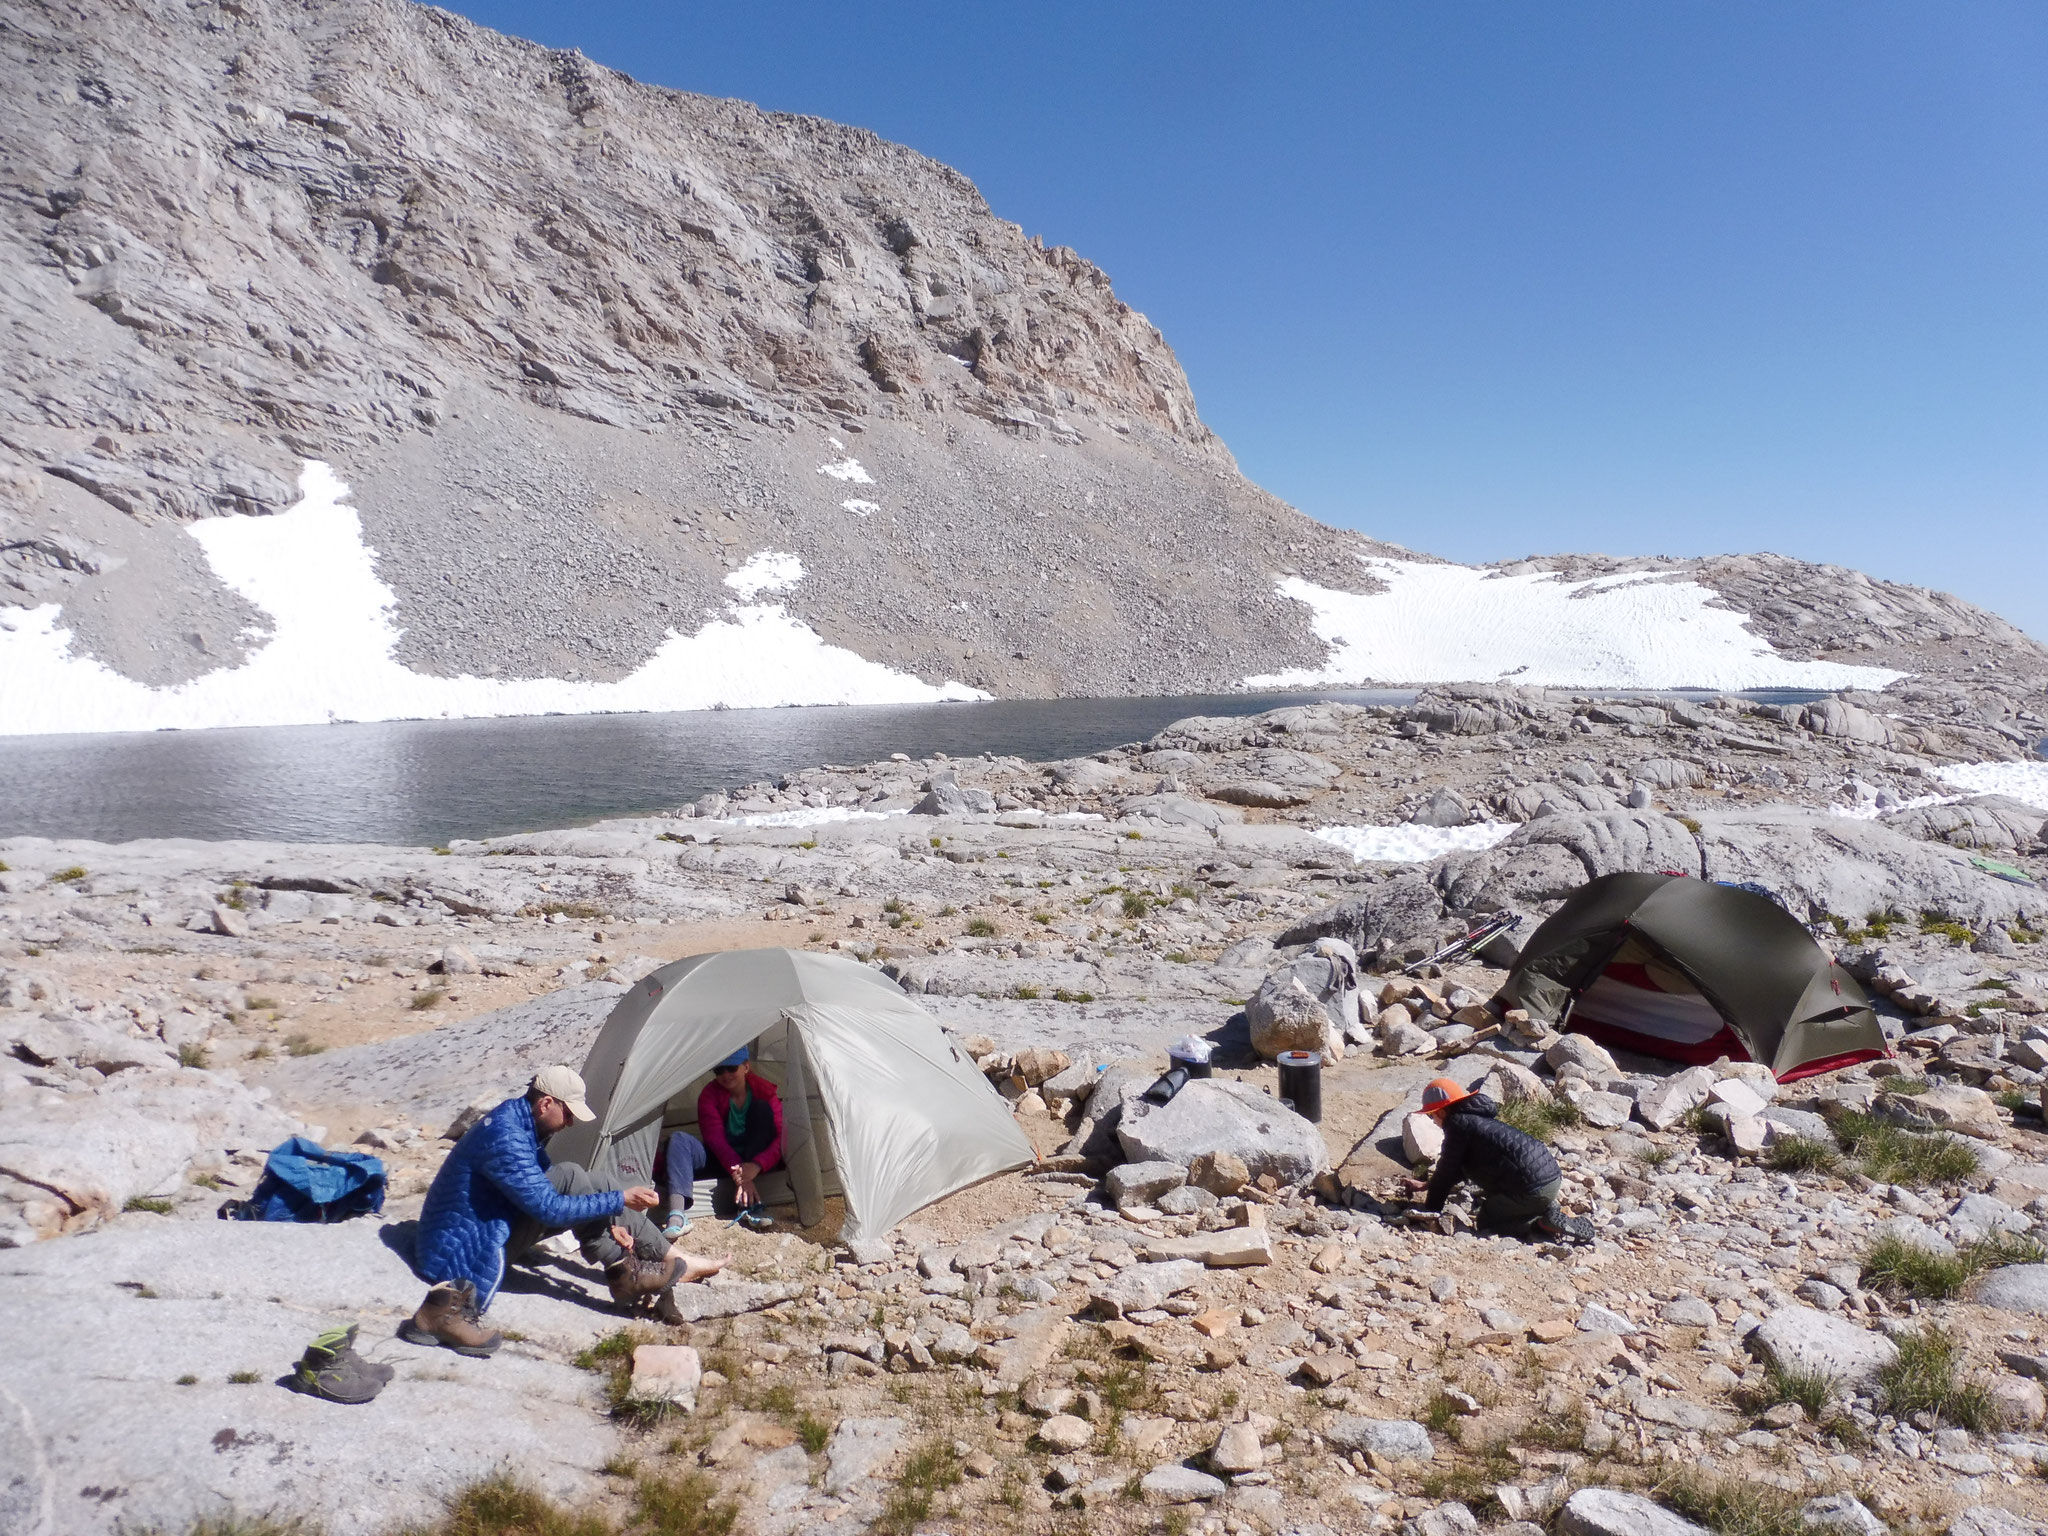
(332, 1369)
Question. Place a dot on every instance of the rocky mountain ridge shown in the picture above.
(583, 346)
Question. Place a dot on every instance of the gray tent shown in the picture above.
(1692, 971)
(878, 1106)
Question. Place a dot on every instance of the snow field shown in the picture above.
(1412, 844)
(1462, 624)
(333, 631)
(2024, 782)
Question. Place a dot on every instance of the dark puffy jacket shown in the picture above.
(1498, 1158)
(496, 1173)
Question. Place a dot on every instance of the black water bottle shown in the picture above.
(1301, 1082)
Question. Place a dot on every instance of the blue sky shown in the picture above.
(1500, 280)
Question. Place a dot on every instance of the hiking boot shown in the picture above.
(755, 1218)
(332, 1369)
(1561, 1228)
(635, 1280)
(448, 1317)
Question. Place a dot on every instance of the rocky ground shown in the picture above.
(1208, 1315)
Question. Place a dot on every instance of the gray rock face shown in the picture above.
(2015, 1288)
(1221, 1115)
(1400, 1439)
(1990, 1520)
(1392, 920)
(672, 404)
(95, 1411)
(1819, 1344)
(859, 1448)
(1842, 1514)
(1614, 1512)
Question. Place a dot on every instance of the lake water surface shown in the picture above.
(426, 781)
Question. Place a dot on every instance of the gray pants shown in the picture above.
(1517, 1213)
(599, 1246)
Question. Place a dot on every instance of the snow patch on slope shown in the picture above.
(1412, 844)
(2024, 782)
(333, 634)
(1462, 624)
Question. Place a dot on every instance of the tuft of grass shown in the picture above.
(980, 928)
(187, 1380)
(300, 1045)
(69, 876)
(243, 1378)
(683, 1506)
(1802, 1154)
(1043, 919)
(610, 1350)
(1062, 995)
(505, 1506)
(1948, 928)
(1892, 1155)
(1928, 1376)
(1027, 994)
(145, 1203)
(244, 1525)
(1732, 1506)
(1654, 1157)
(261, 1051)
(191, 1055)
(931, 1467)
(433, 997)
(258, 1004)
(1135, 905)
(1440, 1413)
(1541, 1120)
(812, 1432)
(1903, 1268)
(1812, 1390)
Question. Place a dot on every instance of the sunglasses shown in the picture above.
(724, 1071)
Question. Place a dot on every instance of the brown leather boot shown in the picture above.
(666, 1310)
(448, 1317)
(635, 1280)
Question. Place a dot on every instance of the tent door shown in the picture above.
(799, 1127)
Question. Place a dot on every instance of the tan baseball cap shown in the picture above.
(561, 1083)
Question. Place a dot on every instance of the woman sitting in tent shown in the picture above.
(740, 1116)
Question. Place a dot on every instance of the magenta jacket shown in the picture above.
(711, 1107)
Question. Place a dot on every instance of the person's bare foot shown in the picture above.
(695, 1268)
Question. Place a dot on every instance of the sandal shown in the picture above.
(678, 1227)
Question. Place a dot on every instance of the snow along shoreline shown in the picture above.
(330, 652)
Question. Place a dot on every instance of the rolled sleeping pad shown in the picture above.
(1166, 1086)
(1301, 1082)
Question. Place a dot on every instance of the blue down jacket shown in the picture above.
(496, 1174)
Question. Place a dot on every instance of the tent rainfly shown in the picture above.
(878, 1106)
(1693, 971)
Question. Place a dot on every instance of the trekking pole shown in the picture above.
(1458, 948)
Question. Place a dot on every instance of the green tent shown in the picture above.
(1693, 971)
(878, 1105)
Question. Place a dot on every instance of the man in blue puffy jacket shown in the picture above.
(498, 1194)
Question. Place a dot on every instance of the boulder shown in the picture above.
(1229, 1248)
(1064, 1432)
(1237, 1450)
(1396, 1439)
(1284, 1015)
(1173, 1483)
(1821, 1344)
(1582, 1052)
(1261, 794)
(1976, 1217)
(1664, 1104)
(1945, 1107)
(1390, 921)
(1220, 1173)
(953, 800)
(1604, 1111)
(1222, 1115)
(1144, 1286)
(666, 1373)
(1990, 1520)
(1841, 1514)
(1422, 1139)
(1915, 1233)
(1615, 1512)
(1140, 1183)
(1396, 1036)
(2015, 1288)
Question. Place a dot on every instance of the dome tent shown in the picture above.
(878, 1106)
(1692, 971)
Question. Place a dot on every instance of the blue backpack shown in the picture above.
(304, 1181)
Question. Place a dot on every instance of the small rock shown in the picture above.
(1237, 1449)
(1614, 1512)
(1598, 1319)
(1220, 1173)
(1064, 1432)
(1176, 1484)
(229, 923)
(666, 1373)
(1422, 1139)
(1396, 1439)
(1821, 1344)
(1137, 1183)
(1579, 1051)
